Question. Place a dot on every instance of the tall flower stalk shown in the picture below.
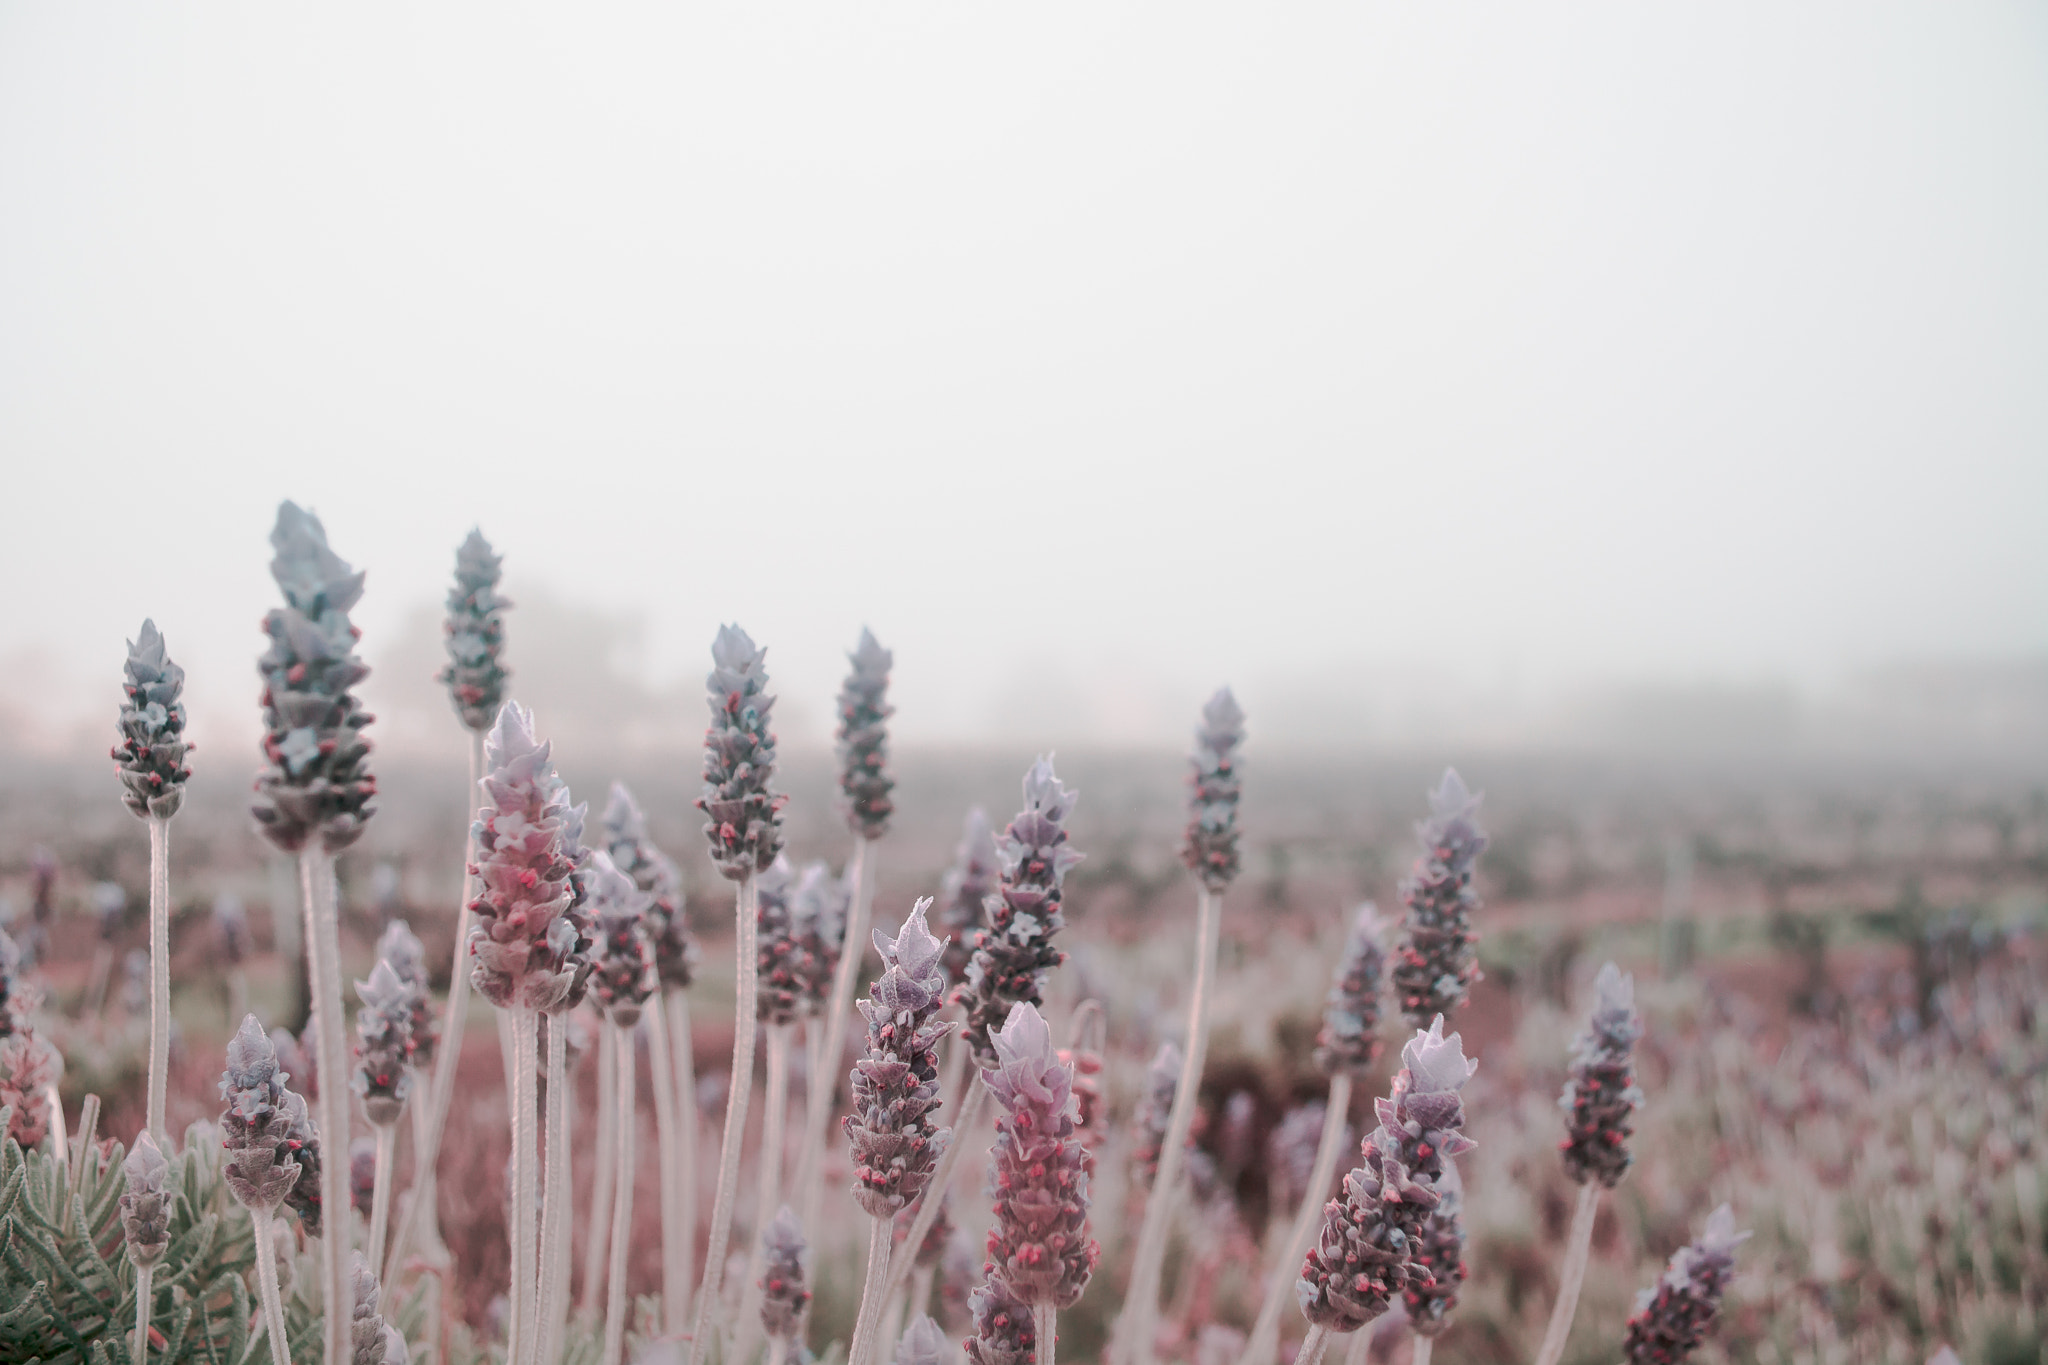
(151, 762)
(475, 678)
(262, 1164)
(1599, 1103)
(743, 822)
(1210, 850)
(864, 787)
(1346, 1049)
(1012, 953)
(621, 984)
(668, 1038)
(145, 1227)
(313, 800)
(1039, 1250)
(1675, 1315)
(896, 1142)
(383, 1079)
(1439, 960)
(524, 955)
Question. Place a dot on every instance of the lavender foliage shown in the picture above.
(150, 758)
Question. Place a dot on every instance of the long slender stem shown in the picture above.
(1578, 1246)
(524, 1285)
(159, 973)
(316, 876)
(738, 1093)
(768, 1197)
(682, 1057)
(622, 1197)
(420, 1219)
(380, 1191)
(934, 1195)
(1419, 1355)
(554, 1200)
(675, 1283)
(874, 1288)
(143, 1275)
(1044, 1326)
(1265, 1336)
(1312, 1347)
(1360, 1349)
(826, 1073)
(266, 1286)
(554, 1329)
(597, 1235)
(1141, 1300)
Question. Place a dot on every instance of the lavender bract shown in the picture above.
(1014, 952)
(1039, 1246)
(1675, 1315)
(146, 1202)
(1601, 1096)
(1348, 1043)
(523, 946)
(1438, 962)
(151, 755)
(384, 1048)
(784, 1294)
(968, 884)
(743, 816)
(668, 921)
(317, 783)
(623, 975)
(475, 631)
(863, 740)
(895, 1141)
(257, 1130)
(1210, 846)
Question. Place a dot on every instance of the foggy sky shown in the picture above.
(1092, 355)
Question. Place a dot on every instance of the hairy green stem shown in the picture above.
(826, 1075)
(874, 1289)
(768, 1196)
(683, 1059)
(1265, 1337)
(675, 1282)
(622, 1195)
(525, 1284)
(739, 1092)
(266, 1286)
(1578, 1246)
(1421, 1352)
(380, 1191)
(554, 1200)
(143, 1275)
(597, 1235)
(1360, 1348)
(323, 939)
(159, 973)
(1044, 1326)
(1312, 1347)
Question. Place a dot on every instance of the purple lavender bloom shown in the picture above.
(863, 740)
(818, 911)
(1155, 1109)
(1003, 1330)
(1349, 1041)
(1038, 1170)
(743, 817)
(304, 1140)
(400, 947)
(784, 1294)
(1439, 961)
(1013, 954)
(475, 629)
(784, 969)
(372, 1341)
(1600, 1098)
(362, 1174)
(146, 1203)
(1291, 1152)
(896, 1142)
(668, 920)
(1437, 1267)
(384, 1050)
(623, 976)
(923, 1343)
(1210, 846)
(151, 755)
(523, 947)
(256, 1131)
(1675, 1315)
(969, 883)
(317, 782)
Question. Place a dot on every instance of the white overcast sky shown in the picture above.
(1094, 353)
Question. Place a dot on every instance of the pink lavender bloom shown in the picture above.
(1039, 1246)
(1601, 1097)
(923, 1343)
(1438, 1260)
(785, 969)
(1003, 1330)
(1675, 1315)
(523, 946)
(668, 920)
(1210, 846)
(1013, 954)
(863, 741)
(384, 1051)
(968, 884)
(29, 1066)
(475, 630)
(146, 1203)
(623, 974)
(896, 1143)
(784, 1294)
(317, 782)
(1349, 1041)
(262, 1161)
(818, 911)
(1291, 1152)
(1439, 962)
(399, 946)
(1155, 1107)
(743, 817)
(372, 1341)
(151, 755)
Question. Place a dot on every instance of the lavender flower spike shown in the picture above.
(146, 1205)
(896, 1145)
(863, 741)
(476, 673)
(1674, 1316)
(968, 884)
(634, 853)
(1438, 963)
(400, 947)
(624, 975)
(304, 1197)
(784, 1295)
(1004, 1332)
(784, 969)
(924, 1343)
(262, 1164)
(818, 913)
(1038, 1170)
(1013, 954)
(151, 754)
(317, 783)
(1210, 847)
(522, 945)
(1438, 1265)
(29, 1065)
(372, 1341)
(1162, 1079)
(743, 817)
(1349, 1043)
(383, 1071)
(1601, 1097)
